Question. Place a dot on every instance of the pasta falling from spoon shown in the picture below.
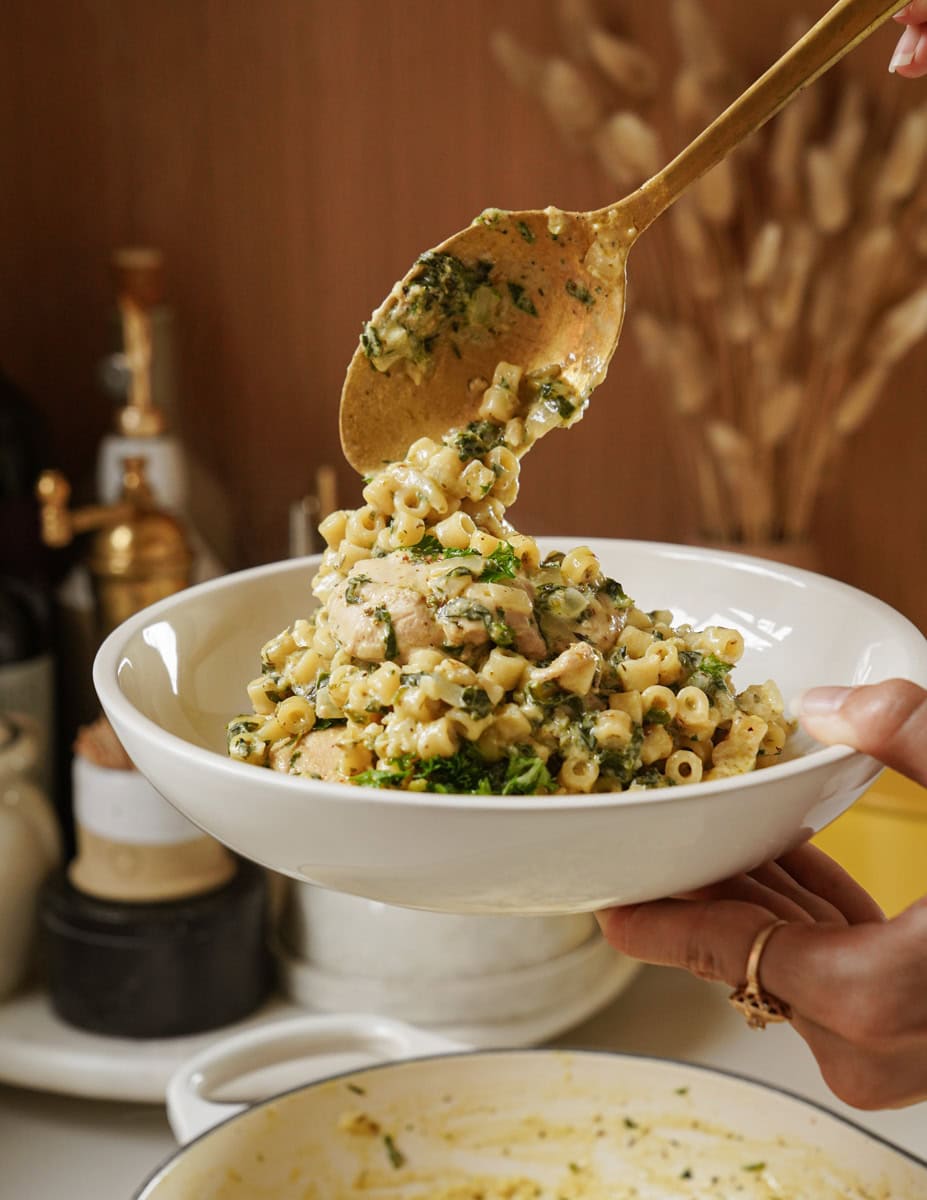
(543, 288)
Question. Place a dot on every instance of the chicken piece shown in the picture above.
(497, 613)
(384, 606)
(316, 753)
(381, 610)
(599, 624)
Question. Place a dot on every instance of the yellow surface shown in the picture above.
(882, 841)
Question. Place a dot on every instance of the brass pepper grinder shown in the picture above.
(139, 552)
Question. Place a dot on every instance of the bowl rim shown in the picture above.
(753, 1083)
(111, 656)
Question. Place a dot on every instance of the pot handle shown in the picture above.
(191, 1112)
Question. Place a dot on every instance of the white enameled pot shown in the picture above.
(572, 1123)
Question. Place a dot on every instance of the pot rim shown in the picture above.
(163, 1167)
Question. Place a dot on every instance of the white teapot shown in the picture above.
(30, 846)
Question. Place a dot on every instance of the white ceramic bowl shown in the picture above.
(171, 676)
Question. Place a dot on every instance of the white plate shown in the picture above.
(172, 676)
(38, 1050)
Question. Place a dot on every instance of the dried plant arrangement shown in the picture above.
(776, 299)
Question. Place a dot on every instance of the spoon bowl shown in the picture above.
(545, 308)
(542, 289)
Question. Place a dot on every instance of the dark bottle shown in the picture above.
(26, 658)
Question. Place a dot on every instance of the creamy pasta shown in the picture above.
(447, 655)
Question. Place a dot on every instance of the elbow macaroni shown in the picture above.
(446, 654)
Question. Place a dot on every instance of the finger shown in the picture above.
(811, 967)
(904, 53)
(775, 878)
(752, 890)
(867, 1079)
(817, 872)
(710, 938)
(913, 13)
(917, 67)
(886, 720)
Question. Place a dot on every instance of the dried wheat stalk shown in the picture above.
(703, 271)
(849, 128)
(577, 20)
(828, 190)
(790, 135)
(698, 41)
(571, 103)
(784, 289)
(763, 255)
(716, 193)
(860, 400)
(628, 148)
(520, 65)
(624, 64)
(904, 165)
(779, 412)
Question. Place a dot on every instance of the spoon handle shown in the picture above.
(841, 28)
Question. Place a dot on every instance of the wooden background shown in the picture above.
(292, 158)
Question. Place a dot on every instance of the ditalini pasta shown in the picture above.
(447, 655)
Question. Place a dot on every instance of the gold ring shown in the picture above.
(759, 1007)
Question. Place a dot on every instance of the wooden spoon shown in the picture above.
(542, 289)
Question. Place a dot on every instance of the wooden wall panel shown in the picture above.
(292, 158)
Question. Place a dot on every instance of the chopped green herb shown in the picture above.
(503, 563)
(328, 722)
(580, 293)
(613, 589)
(716, 667)
(652, 777)
(525, 230)
(686, 1174)
(356, 1089)
(243, 725)
(520, 774)
(521, 299)
(681, 1091)
(386, 777)
(707, 671)
(462, 609)
(630, 1123)
(428, 547)
(382, 614)
(558, 394)
(526, 775)
(623, 763)
(478, 439)
(476, 702)
(757, 1166)
(396, 1157)
(355, 583)
(501, 633)
(370, 340)
(447, 283)
(656, 716)
(574, 1167)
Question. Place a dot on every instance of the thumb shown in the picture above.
(887, 720)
